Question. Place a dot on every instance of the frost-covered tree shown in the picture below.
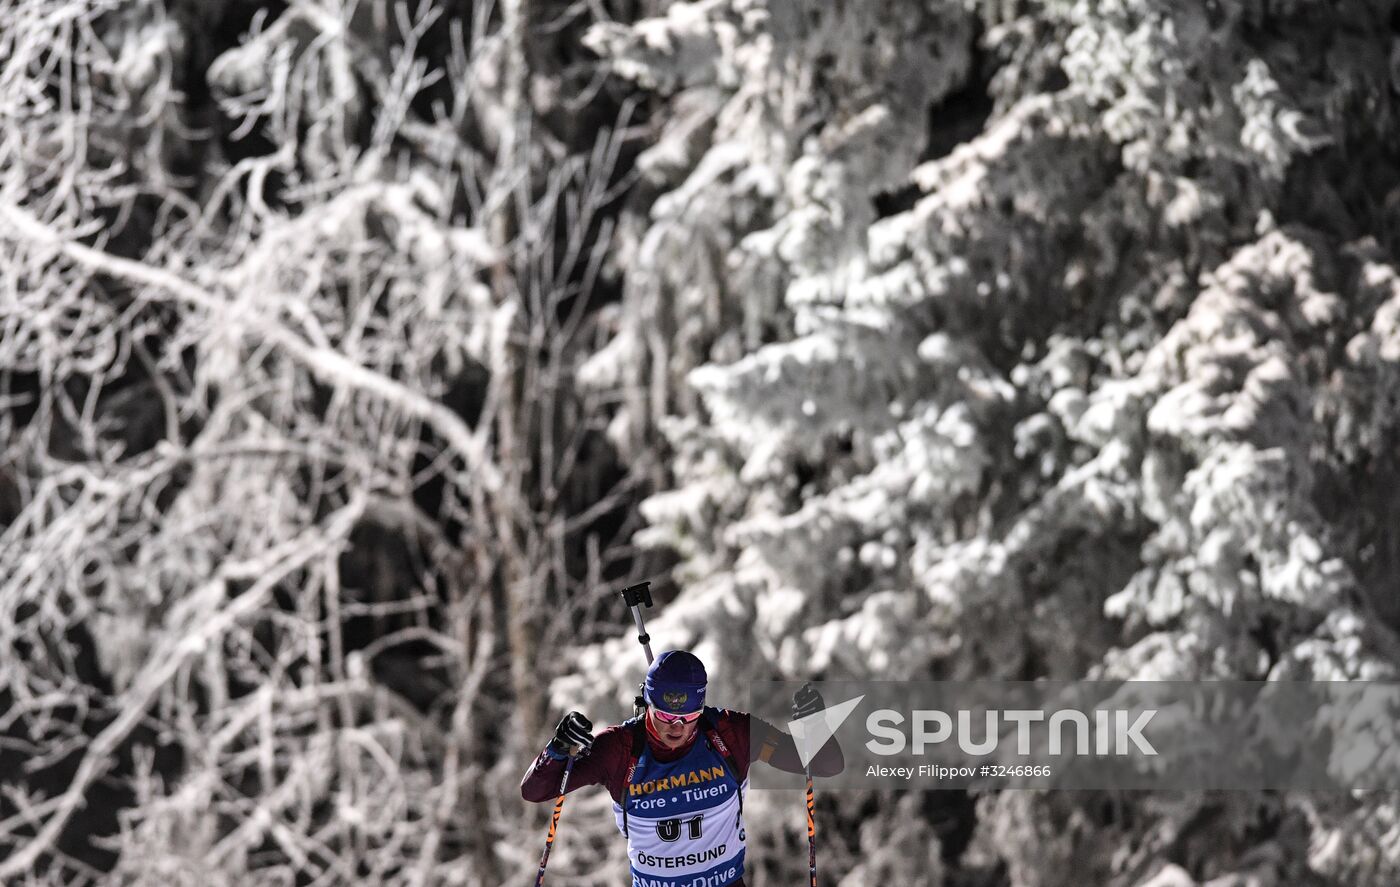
(1088, 392)
(295, 482)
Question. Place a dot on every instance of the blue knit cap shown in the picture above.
(676, 683)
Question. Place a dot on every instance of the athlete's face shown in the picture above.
(676, 733)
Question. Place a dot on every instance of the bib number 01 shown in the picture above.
(670, 829)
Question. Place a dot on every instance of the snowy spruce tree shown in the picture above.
(1074, 312)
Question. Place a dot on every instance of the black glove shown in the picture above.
(574, 731)
(806, 701)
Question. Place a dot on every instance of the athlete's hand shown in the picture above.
(574, 735)
(806, 701)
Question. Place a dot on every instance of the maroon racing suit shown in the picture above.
(749, 739)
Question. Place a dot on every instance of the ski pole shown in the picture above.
(811, 812)
(636, 597)
(554, 821)
(811, 829)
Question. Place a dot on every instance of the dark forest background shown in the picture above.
(353, 355)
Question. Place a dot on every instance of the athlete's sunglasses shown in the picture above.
(674, 719)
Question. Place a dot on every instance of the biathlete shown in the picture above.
(677, 774)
